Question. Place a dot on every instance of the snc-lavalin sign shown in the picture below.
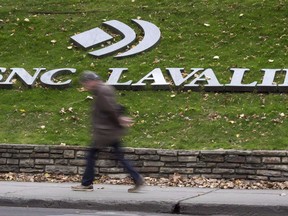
(196, 79)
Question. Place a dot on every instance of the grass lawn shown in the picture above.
(245, 34)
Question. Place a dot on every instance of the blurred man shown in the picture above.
(108, 127)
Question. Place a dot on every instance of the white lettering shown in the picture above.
(156, 76)
(177, 77)
(26, 78)
(236, 81)
(208, 79)
(47, 78)
(115, 76)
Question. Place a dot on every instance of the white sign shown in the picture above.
(198, 79)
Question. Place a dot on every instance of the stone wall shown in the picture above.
(258, 165)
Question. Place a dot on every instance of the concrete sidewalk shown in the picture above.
(191, 201)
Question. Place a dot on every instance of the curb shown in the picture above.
(152, 207)
(233, 210)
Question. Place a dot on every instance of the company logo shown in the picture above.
(96, 36)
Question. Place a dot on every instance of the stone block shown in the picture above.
(78, 162)
(271, 160)
(188, 153)
(61, 161)
(56, 156)
(150, 157)
(106, 163)
(6, 146)
(253, 159)
(228, 165)
(212, 152)
(268, 173)
(81, 170)
(9, 168)
(39, 167)
(81, 154)
(12, 161)
(3, 161)
(223, 171)
(12, 151)
(106, 155)
(256, 177)
(235, 158)
(147, 169)
(60, 169)
(21, 146)
(128, 150)
(145, 151)
(201, 164)
(175, 164)
(31, 170)
(253, 166)
(26, 163)
(211, 158)
(111, 170)
(39, 155)
(187, 158)
(167, 152)
(278, 179)
(153, 163)
(56, 151)
(42, 149)
(269, 153)
(176, 170)
(29, 151)
(69, 154)
(132, 157)
(6, 155)
(245, 171)
(21, 156)
(168, 158)
(133, 163)
(44, 161)
(202, 170)
(239, 152)
(278, 167)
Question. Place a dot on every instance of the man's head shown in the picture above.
(89, 80)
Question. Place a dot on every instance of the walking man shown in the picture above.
(108, 127)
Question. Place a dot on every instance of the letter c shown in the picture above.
(47, 78)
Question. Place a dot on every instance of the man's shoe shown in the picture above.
(82, 188)
(137, 186)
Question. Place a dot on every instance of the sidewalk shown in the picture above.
(192, 201)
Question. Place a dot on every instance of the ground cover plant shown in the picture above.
(195, 34)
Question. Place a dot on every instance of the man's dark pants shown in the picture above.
(92, 155)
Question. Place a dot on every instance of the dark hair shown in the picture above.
(89, 75)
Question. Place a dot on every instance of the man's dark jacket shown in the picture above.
(105, 117)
